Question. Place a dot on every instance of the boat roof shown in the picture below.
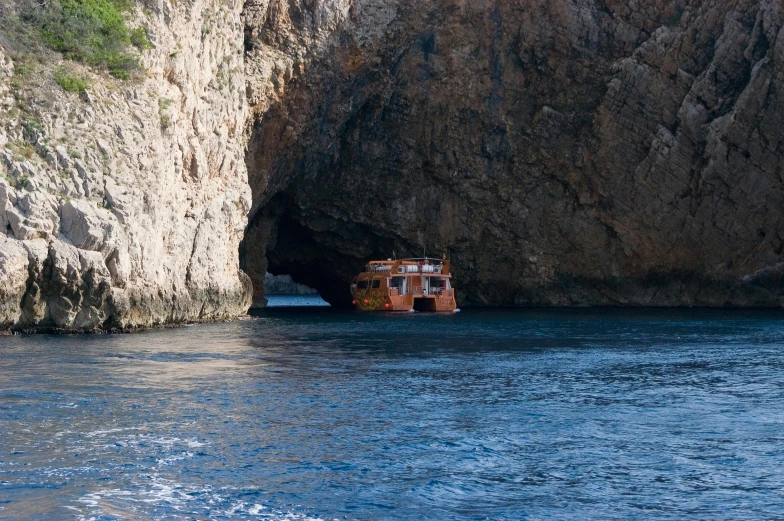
(437, 267)
(416, 260)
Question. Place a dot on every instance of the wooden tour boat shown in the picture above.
(402, 285)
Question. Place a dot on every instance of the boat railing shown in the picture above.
(417, 290)
(419, 268)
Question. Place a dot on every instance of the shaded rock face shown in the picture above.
(563, 152)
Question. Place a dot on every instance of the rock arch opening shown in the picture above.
(317, 250)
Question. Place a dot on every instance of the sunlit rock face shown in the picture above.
(562, 152)
(130, 206)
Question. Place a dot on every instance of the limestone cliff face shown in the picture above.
(564, 152)
(130, 209)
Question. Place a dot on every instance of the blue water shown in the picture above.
(319, 414)
(289, 301)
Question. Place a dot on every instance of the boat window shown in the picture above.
(376, 283)
(437, 282)
(396, 282)
(362, 284)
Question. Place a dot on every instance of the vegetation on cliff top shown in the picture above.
(93, 32)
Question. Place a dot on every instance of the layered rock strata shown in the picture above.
(124, 207)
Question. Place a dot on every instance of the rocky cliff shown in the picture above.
(124, 206)
(563, 152)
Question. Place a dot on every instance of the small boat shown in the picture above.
(403, 285)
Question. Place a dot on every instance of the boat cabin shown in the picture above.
(402, 285)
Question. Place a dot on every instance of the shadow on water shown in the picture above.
(531, 328)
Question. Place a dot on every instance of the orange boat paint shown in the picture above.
(402, 285)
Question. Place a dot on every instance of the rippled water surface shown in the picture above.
(317, 414)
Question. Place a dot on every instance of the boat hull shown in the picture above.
(371, 300)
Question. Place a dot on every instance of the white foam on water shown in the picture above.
(161, 492)
(93, 434)
(293, 516)
(161, 440)
(236, 507)
(67, 472)
(194, 444)
(202, 502)
(175, 457)
(263, 512)
(89, 501)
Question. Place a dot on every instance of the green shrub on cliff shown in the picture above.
(93, 32)
(90, 31)
(139, 39)
(68, 81)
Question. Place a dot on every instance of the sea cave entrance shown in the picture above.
(288, 251)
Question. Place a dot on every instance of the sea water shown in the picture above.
(322, 414)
